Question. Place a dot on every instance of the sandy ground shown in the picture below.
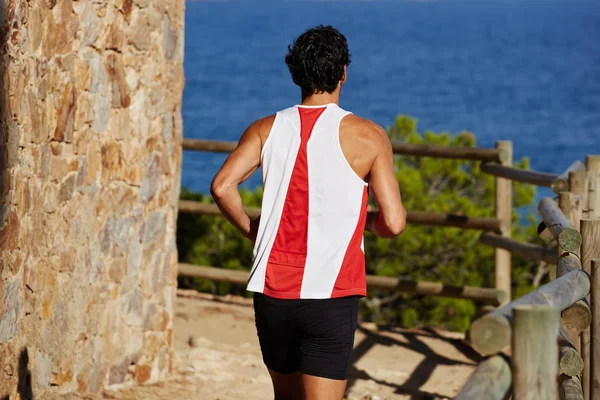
(218, 358)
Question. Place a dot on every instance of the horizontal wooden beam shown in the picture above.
(553, 181)
(462, 153)
(195, 207)
(214, 146)
(492, 332)
(491, 380)
(567, 236)
(418, 150)
(526, 250)
(485, 295)
(414, 217)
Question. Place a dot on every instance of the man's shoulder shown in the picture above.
(263, 124)
(362, 127)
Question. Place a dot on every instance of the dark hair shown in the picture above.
(317, 58)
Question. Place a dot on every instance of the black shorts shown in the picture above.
(313, 336)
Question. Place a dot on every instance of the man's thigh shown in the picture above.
(317, 388)
(326, 343)
(287, 386)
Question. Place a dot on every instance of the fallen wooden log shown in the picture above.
(491, 333)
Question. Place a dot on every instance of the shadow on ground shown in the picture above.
(412, 386)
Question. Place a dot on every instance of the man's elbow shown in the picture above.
(396, 225)
(218, 189)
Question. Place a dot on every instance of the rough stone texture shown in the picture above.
(90, 162)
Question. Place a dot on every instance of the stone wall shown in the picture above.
(90, 162)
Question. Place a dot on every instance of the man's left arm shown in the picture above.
(238, 167)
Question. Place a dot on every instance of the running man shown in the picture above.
(309, 265)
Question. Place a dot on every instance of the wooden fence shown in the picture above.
(552, 331)
(542, 347)
(497, 162)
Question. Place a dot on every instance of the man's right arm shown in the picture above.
(390, 219)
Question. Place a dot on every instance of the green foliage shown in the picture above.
(450, 255)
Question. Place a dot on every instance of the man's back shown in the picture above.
(309, 259)
(310, 239)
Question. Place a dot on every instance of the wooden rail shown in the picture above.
(491, 333)
(414, 217)
(567, 236)
(544, 179)
(485, 295)
(418, 150)
(490, 381)
(530, 251)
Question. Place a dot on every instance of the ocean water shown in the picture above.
(520, 70)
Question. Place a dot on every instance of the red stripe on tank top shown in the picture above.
(285, 267)
(351, 279)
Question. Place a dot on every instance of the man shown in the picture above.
(309, 265)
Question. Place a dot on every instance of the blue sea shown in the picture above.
(520, 70)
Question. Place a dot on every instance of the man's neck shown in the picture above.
(322, 99)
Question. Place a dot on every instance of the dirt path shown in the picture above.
(219, 359)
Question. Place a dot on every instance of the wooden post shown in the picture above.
(590, 249)
(577, 182)
(578, 316)
(591, 211)
(571, 206)
(593, 178)
(504, 214)
(534, 352)
(595, 331)
(490, 381)
(491, 333)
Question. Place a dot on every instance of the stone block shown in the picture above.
(90, 24)
(11, 310)
(113, 164)
(118, 79)
(67, 187)
(9, 233)
(155, 228)
(150, 179)
(65, 115)
(140, 32)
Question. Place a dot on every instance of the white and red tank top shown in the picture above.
(310, 237)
